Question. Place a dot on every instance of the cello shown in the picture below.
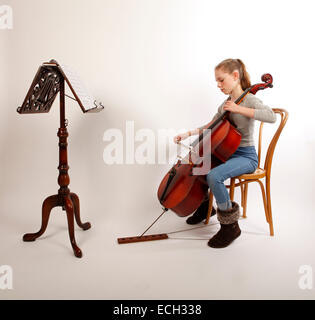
(184, 187)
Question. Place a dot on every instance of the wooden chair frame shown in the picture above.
(258, 175)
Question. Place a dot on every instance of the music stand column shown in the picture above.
(63, 178)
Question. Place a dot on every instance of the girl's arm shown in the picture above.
(252, 108)
(198, 131)
(234, 108)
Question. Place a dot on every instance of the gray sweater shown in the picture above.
(244, 124)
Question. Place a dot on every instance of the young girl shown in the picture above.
(232, 79)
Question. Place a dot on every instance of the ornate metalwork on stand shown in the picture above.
(42, 92)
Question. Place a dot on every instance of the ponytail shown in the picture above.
(244, 78)
(230, 65)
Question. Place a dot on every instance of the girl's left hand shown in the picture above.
(231, 106)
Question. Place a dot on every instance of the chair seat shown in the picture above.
(258, 174)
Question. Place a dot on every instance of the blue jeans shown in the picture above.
(244, 160)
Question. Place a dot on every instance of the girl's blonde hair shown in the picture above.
(230, 65)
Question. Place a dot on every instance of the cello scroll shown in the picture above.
(267, 78)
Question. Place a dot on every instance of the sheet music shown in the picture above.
(80, 89)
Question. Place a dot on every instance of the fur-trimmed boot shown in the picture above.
(201, 213)
(230, 229)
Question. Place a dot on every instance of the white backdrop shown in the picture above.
(151, 62)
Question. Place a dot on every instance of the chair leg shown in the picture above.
(245, 200)
(263, 193)
(242, 192)
(232, 187)
(269, 206)
(210, 207)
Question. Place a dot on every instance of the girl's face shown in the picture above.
(226, 82)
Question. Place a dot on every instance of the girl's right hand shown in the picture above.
(181, 136)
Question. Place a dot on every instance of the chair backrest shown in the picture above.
(284, 114)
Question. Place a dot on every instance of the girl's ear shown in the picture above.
(236, 75)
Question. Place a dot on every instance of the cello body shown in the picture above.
(187, 190)
(184, 187)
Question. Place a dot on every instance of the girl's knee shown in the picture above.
(213, 178)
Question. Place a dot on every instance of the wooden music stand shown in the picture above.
(49, 80)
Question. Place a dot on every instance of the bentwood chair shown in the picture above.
(258, 175)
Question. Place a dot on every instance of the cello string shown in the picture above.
(177, 231)
(179, 238)
(205, 226)
(190, 238)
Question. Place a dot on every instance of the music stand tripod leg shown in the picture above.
(48, 204)
(70, 217)
(76, 204)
